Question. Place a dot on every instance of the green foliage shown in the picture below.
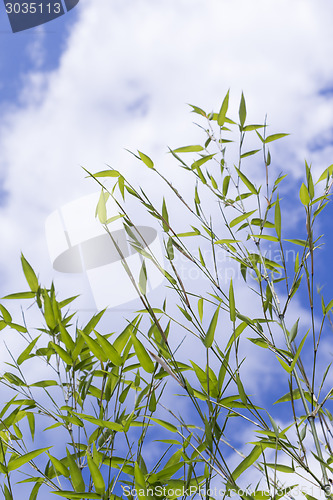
(104, 393)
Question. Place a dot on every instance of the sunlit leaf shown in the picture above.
(242, 111)
(274, 137)
(239, 219)
(209, 337)
(146, 160)
(142, 355)
(96, 476)
(23, 459)
(188, 149)
(223, 110)
(29, 274)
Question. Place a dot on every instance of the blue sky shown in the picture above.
(114, 75)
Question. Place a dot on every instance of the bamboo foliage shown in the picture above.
(107, 395)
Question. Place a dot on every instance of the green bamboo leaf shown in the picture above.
(66, 338)
(163, 423)
(327, 173)
(115, 217)
(123, 395)
(96, 476)
(223, 110)
(101, 211)
(75, 473)
(241, 390)
(32, 424)
(165, 216)
(284, 365)
(225, 185)
(62, 353)
(298, 352)
(109, 350)
(23, 459)
(240, 328)
(302, 243)
(277, 218)
(113, 426)
(122, 339)
(247, 462)
(199, 111)
(65, 302)
(152, 402)
(95, 348)
(226, 241)
(274, 137)
(93, 322)
(140, 483)
(59, 466)
(209, 338)
(44, 383)
(76, 496)
(200, 308)
(107, 173)
(13, 379)
(281, 467)
(309, 497)
(34, 491)
(293, 331)
(25, 354)
(48, 311)
(246, 181)
(274, 425)
(249, 128)
(142, 355)
(188, 149)
(5, 314)
(20, 295)
(262, 223)
(146, 160)
(29, 274)
(266, 237)
(304, 195)
(242, 111)
(18, 328)
(143, 279)
(7, 493)
(232, 306)
(3, 324)
(250, 153)
(309, 181)
(202, 161)
(223, 369)
(241, 218)
(167, 472)
(121, 185)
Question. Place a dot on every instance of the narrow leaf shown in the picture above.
(142, 355)
(223, 110)
(241, 218)
(29, 274)
(209, 338)
(146, 160)
(23, 459)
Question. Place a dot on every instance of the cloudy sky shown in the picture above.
(112, 75)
